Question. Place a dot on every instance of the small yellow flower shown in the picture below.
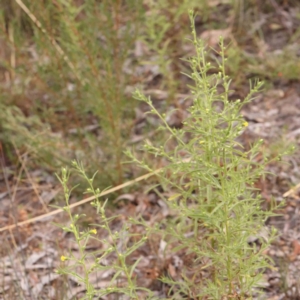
(245, 124)
(93, 231)
(63, 258)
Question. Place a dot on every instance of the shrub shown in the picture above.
(71, 75)
(212, 179)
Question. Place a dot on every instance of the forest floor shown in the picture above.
(30, 253)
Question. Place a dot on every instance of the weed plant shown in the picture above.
(113, 256)
(212, 181)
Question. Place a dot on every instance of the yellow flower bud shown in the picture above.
(63, 258)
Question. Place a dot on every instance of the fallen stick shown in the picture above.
(57, 211)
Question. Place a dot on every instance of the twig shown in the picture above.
(291, 191)
(57, 211)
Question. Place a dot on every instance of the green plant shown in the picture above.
(31, 136)
(164, 33)
(212, 181)
(116, 247)
(69, 72)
